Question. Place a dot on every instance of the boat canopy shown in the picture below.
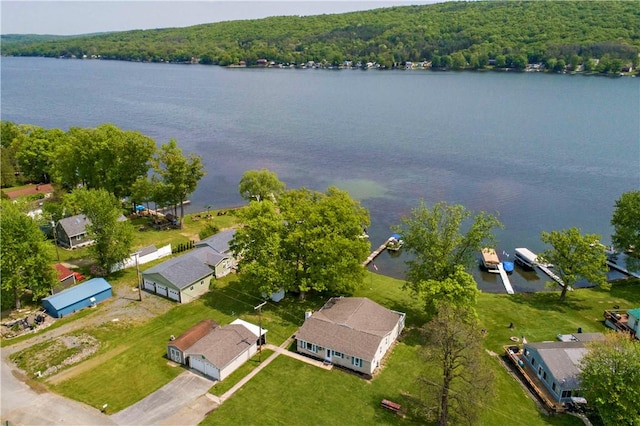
(489, 257)
(527, 255)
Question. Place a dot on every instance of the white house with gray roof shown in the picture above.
(351, 332)
(557, 364)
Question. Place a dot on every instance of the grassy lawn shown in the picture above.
(221, 387)
(291, 392)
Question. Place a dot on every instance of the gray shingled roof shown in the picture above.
(219, 242)
(563, 360)
(184, 270)
(75, 225)
(351, 325)
(223, 344)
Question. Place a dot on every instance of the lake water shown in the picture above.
(545, 152)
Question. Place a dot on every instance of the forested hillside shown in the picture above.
(603, 34)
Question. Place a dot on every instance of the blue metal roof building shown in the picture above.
(78, 297)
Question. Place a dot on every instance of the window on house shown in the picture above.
(357, 362)
(338, 354)
(553, 387)
(533, 361)
(191, 287)
(310, 347)
(544, 376)
(566, 394)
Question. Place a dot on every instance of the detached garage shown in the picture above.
(78, 297)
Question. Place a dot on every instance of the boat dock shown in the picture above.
(623, 270)
(550, 273)
(505, 279)
(376, 252)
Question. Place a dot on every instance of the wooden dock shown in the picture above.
(505, 279)
(376, 252)
(550, 273)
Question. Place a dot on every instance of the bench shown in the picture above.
(391, 406)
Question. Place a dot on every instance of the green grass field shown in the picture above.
(291, 392)
(131, 362)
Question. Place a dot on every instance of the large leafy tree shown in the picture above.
(626, 224)
(308, 241)
(113, 236)
(458, 290)
(260, 184)
(456, 380)
(26, 257)
(438, 244)
(259, 246)
(610, 379)
(105, 157)
(178, 175)
(574, 257)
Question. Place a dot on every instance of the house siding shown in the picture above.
(367, 367)
(157, 284)
(237, 362)
(537, 364)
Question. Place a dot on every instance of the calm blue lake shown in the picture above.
(544, 152)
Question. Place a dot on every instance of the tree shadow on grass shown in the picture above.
(550, 301)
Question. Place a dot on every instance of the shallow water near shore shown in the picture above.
(545, 152)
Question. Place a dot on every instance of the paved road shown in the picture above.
(21, 405)
(183, 398)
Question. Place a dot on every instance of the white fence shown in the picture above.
(145, 255)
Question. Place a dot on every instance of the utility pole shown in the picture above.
(55, 238)
(138, 277)
(259, 309)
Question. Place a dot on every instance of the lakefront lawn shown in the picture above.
(289, 391)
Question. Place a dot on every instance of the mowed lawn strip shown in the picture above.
(143, 367)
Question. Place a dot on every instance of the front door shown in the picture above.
(327, 356)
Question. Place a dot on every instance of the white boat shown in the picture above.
(395, 242)
(526, 257)
(490, 260)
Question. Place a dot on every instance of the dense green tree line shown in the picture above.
(455, 35)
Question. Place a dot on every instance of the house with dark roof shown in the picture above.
(71, 232)
(183, 278)
(220, 243)
(351, 332)
(557, 364)
(78, 297)
(216, 351)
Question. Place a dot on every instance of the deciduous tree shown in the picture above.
(311, 241)
(26, 258)
(610, 379)
(456, 380)
(260, 184)
(179, 174)
(574, 257)
(113, 236)
(626, 224)
(436, 240)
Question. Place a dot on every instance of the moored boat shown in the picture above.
(490, 260)
(526, 257)
(395, 242)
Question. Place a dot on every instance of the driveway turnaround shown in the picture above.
(181, 396)
(21, 405)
